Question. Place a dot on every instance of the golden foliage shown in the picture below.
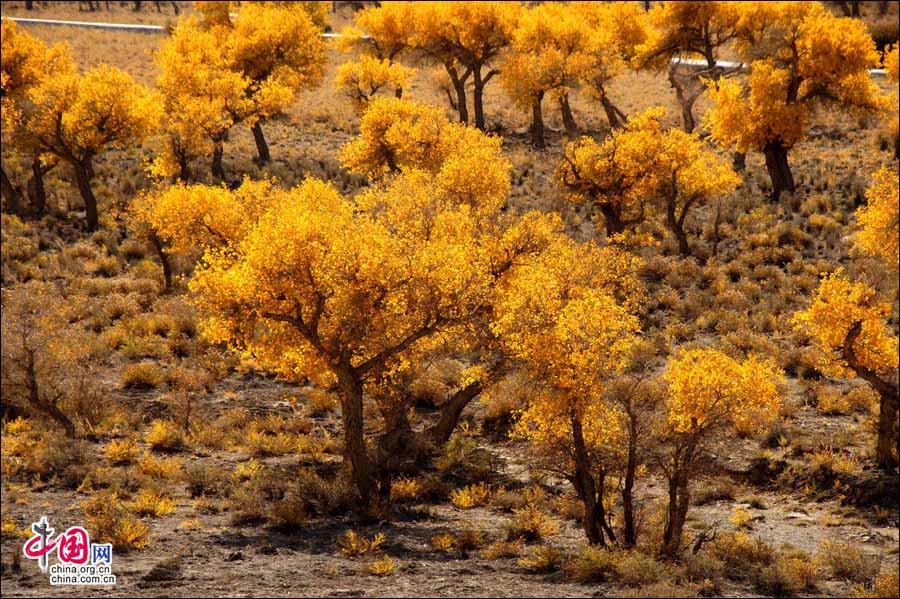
(708, 388)
(879, 219)
(838, 305)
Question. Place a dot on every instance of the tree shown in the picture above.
(398, 136)
(616, 30)
(615, 176)
(44, 357)
(381, 33)
(26, 62)
(559, 315)
(363, 79)
(847, 322)
(75, 117)
(279, 49)
(802, 57)
(892, 66)
(689, 174)
(709, 391)
(682, 30)
(879, 219)
(203, 99)
(465, 37)
(540, 59)
(349, 291)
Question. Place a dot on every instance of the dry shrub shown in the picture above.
(121, 452)
(884, 585)
(143, 375)
(109, 521)
(471, 496)
(165, 435)
(352, 544)
(631, 568)
(530, 523)
(847, 561)
(788, 575)
(543, 558)
(502, 549)
(740, 553)
(152, 503)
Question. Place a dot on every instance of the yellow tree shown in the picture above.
(684, 30)
(540, 59)
(709, 392)
(349, 291)
(616, 30)
(25, 61)
(203, 99)
(563, 316)
(465, 38)
(879, 219)
(380, 34)
(689, 174)
(892, 66)
(75, 117)
(847, 322)
(640, 167)
(802, 57)
(363, 79)
(279, 49)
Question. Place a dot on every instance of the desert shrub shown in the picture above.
(159, 468)
(502, 549)
(543, 558)
(202, 480)
(462, 457)
(143, 375)
(405, 490)
(703, 566)
(352, 544)
(46, 456)
(384, 566)
(531, 524)
(740, 553)
(165, 435)
(847, 561)
(109, 521)
(787, 575)
(835, 461)
(592, 564)
(471, 496)
(152, 503)
(884, 585)
(121, 452)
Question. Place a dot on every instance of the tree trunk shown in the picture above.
(886, 446)
(612, 219)
(37, 195)
(83, 179)
(354, 440)
(163, 259)
(450, 413)
(739, 161)
(586, 488)
(12, 195)
(676, 513)
(478, 99)
(184, 169)
(47, 407)
(218, 171)
(676, 225)
(779, 169)
(262, 148)
(615, 116)
(459, 85)
(537, 122)
(630, 531)
(568, 118)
